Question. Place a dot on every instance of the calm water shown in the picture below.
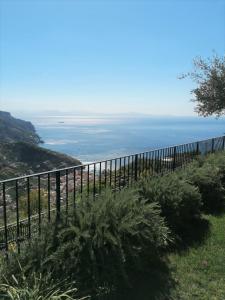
(91, 138)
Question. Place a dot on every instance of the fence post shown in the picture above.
(197, 148)
(58, 196)
(174, 157)
(223, 144)
(136, 167)
(212, 146)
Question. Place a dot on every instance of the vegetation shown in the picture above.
(98, 244)
(210, 91)
(34, 203)
(208, 180)
(196, 272)
(22, 291)
(199, 273)
(208, 175)
(180, 201)
(124, 242)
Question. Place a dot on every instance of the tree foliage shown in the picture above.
(98, 245)
(209, 74)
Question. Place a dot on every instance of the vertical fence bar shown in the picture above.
(106, 165)
(186, 153)
(139, 165)
(5, 219)
(150, 163)
(88, 180)
(17, 217)
(146, 161)
(58, 194)
(39, 204)
(166, 160)
(124, 171)
(154, 161)
(174, 157)
(94, 188)
(28, 207)
(100, 177)
(170, 159)
(49, 198)
(110, 173)
(74, 187)
(136, 168)
(183, 155)
(197, 148)
(143, 163)
(81, 181)
(67, 192)
(157, 161)
(132, 169)
(213, 141)
(115, 173)
(128, 170)
(120, 160)
(163, 161)
(160, 160)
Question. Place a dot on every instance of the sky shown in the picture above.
(105, 56)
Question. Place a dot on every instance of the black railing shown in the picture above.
(28, 201)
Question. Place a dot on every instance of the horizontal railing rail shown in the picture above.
(27, 202)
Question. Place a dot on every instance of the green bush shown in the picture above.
(180, 202)
(99, 243)
(218, 160)
(208, 178)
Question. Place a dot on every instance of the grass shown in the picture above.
(197, 273)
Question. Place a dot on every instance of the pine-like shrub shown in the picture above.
(99, 243)
(209, 180)
(180, 201)
(218, 160)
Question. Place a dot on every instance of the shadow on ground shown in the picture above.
(154, 284)
(157, 283)
(193, 236)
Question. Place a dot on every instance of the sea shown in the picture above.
(91, 138)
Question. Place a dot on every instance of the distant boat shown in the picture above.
(61, 122)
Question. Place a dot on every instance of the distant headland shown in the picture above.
(20, 152)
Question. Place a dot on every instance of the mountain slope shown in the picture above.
(17, 159)
(20, 153)
(12, 130)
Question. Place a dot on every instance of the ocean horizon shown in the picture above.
(92, 138)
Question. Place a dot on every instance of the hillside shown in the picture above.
(16, 130)
(20, 153)
(20, 158)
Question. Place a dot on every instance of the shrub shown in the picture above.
(208, 179)
(98, 243)
(218, 160)
(180, 202)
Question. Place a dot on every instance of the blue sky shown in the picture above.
(104, 56)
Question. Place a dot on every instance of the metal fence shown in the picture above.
(27, 202)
